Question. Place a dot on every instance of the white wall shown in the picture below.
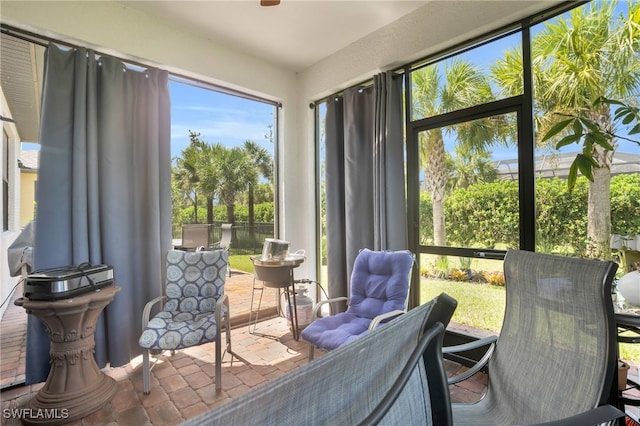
(6, 239)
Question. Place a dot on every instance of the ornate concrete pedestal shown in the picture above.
(75, 386)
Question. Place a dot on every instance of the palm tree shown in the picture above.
(470, 166)
(262, 163)
(235, 173)
(580, 59)
(208, 164)
(185, 173)
(464, 86)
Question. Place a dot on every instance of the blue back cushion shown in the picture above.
(379, 282)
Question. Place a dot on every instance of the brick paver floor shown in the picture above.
(182, 385)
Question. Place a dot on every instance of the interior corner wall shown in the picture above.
(432, 28)
(112, 28)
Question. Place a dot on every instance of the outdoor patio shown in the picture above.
(182, 385)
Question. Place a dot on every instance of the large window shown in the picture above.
(481, 176)
(224, 149)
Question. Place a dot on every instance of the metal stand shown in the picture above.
(274, 275)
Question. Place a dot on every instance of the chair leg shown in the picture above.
(219, 360)
(146, 373)
(255, 322)
(228, 333)
(311, 348)
(293, 313)
(294, 317)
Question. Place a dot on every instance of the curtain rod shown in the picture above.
(44, 41)
(362, 85)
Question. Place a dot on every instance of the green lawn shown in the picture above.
(482, 306)
(241, 262)
(479, 305)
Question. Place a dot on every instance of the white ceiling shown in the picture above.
(295, 34)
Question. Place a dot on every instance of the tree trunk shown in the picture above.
(209, 210)
(251, 213)
(439, 232)
(599, 210)
(599, 203)
(436, 180)
(195, 208)
(230, 213)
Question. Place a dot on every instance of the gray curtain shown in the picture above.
(103, 192)
(365, 183)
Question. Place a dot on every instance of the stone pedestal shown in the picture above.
(75, 386)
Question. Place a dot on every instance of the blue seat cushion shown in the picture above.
(333, 331)
(379, 282)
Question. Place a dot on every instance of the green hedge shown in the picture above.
(486, 214)
(263, 212)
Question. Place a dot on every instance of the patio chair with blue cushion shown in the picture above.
(554, 361)
(379, 291)
(194, 306)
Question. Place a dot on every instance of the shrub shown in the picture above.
(625, 204)
(459, 275)
(494, 278)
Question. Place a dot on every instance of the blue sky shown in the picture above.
(219, 118)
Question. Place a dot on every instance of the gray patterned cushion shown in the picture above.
(195, 281)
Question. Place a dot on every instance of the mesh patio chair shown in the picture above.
(225, 240)
(378, 379)
(555, 358)
(195, 304)
(379, 291)
(195, 235)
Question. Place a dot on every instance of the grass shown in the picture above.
(479, 305)
(241, 262)
(482, 306)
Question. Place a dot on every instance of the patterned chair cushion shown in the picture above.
(195, 281)
(176, 330)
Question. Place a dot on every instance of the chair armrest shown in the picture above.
(490, 341)
(319, 305)
(378, 319)
(595, 416)
(146, 312)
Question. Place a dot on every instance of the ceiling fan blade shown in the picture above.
(269, 2)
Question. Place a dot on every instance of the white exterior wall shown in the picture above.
(128, 33)
(6, 281)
